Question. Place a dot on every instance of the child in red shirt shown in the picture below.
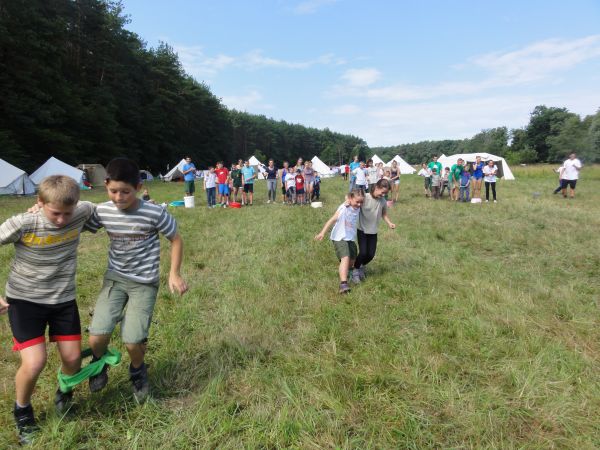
(299, 187)
(223, 184)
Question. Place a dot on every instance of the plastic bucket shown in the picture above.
(189, 201)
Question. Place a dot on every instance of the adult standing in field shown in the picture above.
(309, 181)
(570, 174)
(373, 209)
(271, 174)
(477, 178)
(355, 164)
(248, 176)
(395, 179)
(454, 179)
(489, 173)
(189, 175)
(223, 184)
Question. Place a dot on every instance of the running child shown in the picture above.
(40, 290)
(131, 280)
(343, 235)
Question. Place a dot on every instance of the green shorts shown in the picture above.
(345, 248)
(189, 186)
(128, 301)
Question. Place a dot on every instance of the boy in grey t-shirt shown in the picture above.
(40, 291)
(132, 278)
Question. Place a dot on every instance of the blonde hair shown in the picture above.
(59, 189)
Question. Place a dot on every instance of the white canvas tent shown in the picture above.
(146, 176)
(176, 172)
(55, 166)
(95, 173)
(503, 169)
(405, 168)
(376, 160)
(322, 168)
(253, 160)
(14, 180)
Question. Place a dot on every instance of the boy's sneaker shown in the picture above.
(344, 288)
(26, 426)
(139, 383)
(99, 382)
(63, 401)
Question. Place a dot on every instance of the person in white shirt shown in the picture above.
(426, 174)
(343, 234)
(489, 176)
(360, 178)
(570, 174)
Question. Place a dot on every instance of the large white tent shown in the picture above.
(176, 172)
(14, 180)
(376, 160)
(322, 168)
(503, 169)
(405, 168)
(55, 166)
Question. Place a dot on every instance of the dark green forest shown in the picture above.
(76, 84)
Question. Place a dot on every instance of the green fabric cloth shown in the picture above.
(66, 383)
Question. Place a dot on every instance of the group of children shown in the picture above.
(300, 184)
(463, 181)
(364, 176)
(40, 291)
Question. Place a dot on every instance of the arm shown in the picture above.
(386, 218)
(334, 218)
(176, 283)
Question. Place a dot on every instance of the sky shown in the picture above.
(390, 72)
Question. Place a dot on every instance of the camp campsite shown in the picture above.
(477, 323)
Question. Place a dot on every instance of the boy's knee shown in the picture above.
(33, 367)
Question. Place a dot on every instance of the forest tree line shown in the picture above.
(76, 84)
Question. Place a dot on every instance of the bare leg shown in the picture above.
(343, 269)
(136, 354)
(33, 360)
(70, 356)
(99, 344)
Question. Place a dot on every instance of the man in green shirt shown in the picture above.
(454, 178)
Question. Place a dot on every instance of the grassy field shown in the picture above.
(476, 328)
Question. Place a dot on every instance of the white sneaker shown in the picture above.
(268, 201)
(487, 201)
(495, 201)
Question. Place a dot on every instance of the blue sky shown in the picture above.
(391, 72)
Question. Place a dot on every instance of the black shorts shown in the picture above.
(28, 322)
(565, 183)
(299, 191)
(248, 187)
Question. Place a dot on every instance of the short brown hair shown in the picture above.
(59, 189)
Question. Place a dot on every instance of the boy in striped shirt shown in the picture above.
(40, 291)
(131, 281)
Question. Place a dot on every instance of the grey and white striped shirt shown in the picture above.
(134, 238)
(43, 269)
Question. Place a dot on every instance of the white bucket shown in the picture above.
(189, 201)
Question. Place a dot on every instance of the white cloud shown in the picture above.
(344, 110)
(361, 77)
(312, 6)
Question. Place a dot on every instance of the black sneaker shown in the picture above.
(63, 401)
(99, 382)
(26, 426)
(139, 383)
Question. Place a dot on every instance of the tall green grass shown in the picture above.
(476, 327)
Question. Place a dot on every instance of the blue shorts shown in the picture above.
(223, 189)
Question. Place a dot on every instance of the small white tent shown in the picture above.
(176, 172)
(503, 169)
(55, 166)
(253, 160)
(376, 160)
(14, 180)
(146, 176)
(322, 168)
(405, 168)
